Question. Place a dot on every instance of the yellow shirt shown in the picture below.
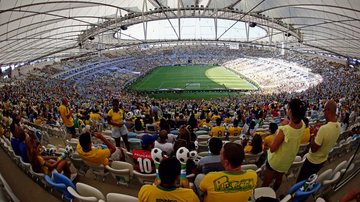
(217, 131)
(282, 159)
(268, 141)
(38, 121)
(234, 131)
(116, 117)
(65, 115)
(326, 138)
(226, 186)
(227, 120)
(213, 118)
(151, 193)
(306, 137)
(95, 155)
(95, 116)
(44, 168)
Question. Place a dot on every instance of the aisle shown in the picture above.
(21, 184)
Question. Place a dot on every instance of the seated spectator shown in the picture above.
(142, 157)
(233, 184)
(18, 142)
(169, 173)
(218, 130)
(162, 143)
(45, 164)
(212, 163)
(93, 154)
(270, 138)
(255, 146)
(234, 130)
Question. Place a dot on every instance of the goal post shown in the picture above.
(192, 86)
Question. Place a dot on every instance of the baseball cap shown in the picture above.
(148, 139)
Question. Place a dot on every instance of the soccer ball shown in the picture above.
(242, 137)
(156, 155)
(193, 155)
(69, 149)
(129, 115)
(182, 155)
(196, 145)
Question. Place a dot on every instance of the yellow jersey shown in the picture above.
(152, 193)
(268, 141)
(228, 186)
(217, 131)
(234, 131)
(95, 155)
(65, 114)
(116, 117)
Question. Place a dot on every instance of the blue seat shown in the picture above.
(132, 135)
(60, 187)
(298, 195)
(59, 178)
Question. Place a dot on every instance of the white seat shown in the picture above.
(203, 138)
(286, 198)
(145, 178)
(320, 200)
(264, 192)
(87, 190)
(249, 167)
(203, 154)
(324, 176)
(339, 167)
(122, 172)
(295, 168)
(326, 184)
(234, 138)
(97, 170)
(115, 197)
(128, 156)
(252, 158)
(79, 197)
(79, 164)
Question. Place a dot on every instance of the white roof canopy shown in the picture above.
(34, 29)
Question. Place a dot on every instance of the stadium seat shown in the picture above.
(299, 196)
(340, 167)
(89, 191)
(79, 197)
(249, 167)
(79, 164)
(252, 158)
(145, 178)
(204, 153)
(60, 187)
(263, 192)
(327, 174)
(121, 171)
(128, 156)
(97, 170)
(295, 168)
(115, 197)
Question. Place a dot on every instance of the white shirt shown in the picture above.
(165, 147)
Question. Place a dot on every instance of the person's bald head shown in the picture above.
(330, 107)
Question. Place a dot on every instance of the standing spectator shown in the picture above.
(66, 115)
(169, 173)
(285, 145)
(115, 119)
(323, 142)
(219, 186)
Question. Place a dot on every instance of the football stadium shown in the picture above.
(180, 100)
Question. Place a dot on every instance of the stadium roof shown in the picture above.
(35, 29)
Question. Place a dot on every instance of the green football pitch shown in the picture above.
(192, 79)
